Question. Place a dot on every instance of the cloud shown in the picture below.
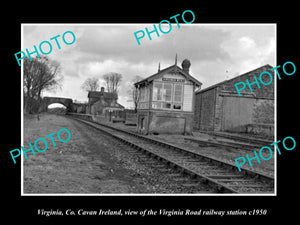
(118, 42)
(246, 54)
(216, 52)
(35, 34)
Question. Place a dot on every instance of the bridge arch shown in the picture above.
(67, 102)
(56, 105)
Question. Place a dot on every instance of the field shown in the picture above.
(90, 163)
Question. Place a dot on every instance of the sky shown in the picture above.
(216, 51)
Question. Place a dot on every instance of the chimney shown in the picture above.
(186, 65)
(102, 89)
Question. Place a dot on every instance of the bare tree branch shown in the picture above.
(91, 84)
(39, 74)
(134, 92)
(112, 81)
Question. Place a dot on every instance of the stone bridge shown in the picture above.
(67, 102)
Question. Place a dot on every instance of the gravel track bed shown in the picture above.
(93, 163)
(148, 171)
(224, 154)
(184, 160)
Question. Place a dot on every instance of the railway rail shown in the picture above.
(223, 144)
(223, 177)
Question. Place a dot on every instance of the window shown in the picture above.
(157, 92)
(144, 95)
(168, 92)
(162, 92)
(161, 105)
(167, 95)
(177, 106)
(166, 105)
(143, 101)
(156, 105)
(178, 92)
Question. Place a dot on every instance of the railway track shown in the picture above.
(223, 177)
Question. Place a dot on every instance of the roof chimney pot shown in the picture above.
(186, 64)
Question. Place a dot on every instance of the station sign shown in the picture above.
(173, 79)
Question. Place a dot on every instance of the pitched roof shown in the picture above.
(99, 94)
(267, 66)
(173, 68)
(110, 104)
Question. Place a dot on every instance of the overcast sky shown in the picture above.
(216, 51)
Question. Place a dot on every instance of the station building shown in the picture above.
(220, 108)
(167, 100)
(104, 104)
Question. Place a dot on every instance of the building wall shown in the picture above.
(197, 111)
(151, 122)
(236, 113)
(265, 91)
(188, 96)
(81, 108)
(231, 112)
(143, 121)
(218, 116)
(205, 110)
(263, 111)
(92, 100)
(97, 107)
(219, 108)
(267, 130)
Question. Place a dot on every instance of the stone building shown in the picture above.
(104, 103)
(220, 108)
(166, 103)
(79, 107)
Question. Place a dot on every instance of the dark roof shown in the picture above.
(117, 105)
(99, 94)
(222, 82)
(173, 68)
(107, 103)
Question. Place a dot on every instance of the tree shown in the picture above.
(91, 84)
(134, 92)
(39, 74)
(112, 81)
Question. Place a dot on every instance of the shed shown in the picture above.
(220, 108)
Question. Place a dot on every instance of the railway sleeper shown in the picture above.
(155, 163)
(161, 167)
(180, 179)
(247, 186)
(174, 175)
(196, 161)
(164, 170)
(210, 160)
(233, 183)
(219, 176)
(213, 183)
(233, 180)
(190, 185)
(218, 188)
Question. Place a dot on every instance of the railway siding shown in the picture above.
(219, 152)
(185, 161)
